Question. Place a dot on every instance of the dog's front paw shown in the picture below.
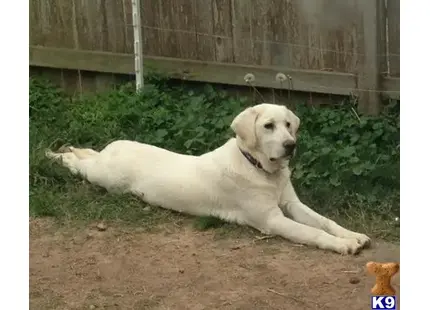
(362, 239)
(349, 247)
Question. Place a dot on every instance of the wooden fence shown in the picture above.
(338, 47)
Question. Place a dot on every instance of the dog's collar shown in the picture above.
(252, 160)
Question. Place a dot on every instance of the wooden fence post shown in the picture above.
(373, 56)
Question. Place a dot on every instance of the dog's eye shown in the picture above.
(269, 126)
(288, 124)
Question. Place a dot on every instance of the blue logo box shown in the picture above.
(383, 302)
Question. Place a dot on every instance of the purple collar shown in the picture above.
(252, 160)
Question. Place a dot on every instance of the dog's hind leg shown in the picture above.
(68, 160)
(75, 159)
(85, 163)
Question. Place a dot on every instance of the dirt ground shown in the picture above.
(177, 267)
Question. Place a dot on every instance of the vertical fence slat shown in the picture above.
(186, 21)
(152, 35)
(204, 30)
(369, 75)
(221, 10)
(393, 13)
(241, 31)
(91, 25)
(262, 11)
(116, 22)
(280, 52)
(169, 37)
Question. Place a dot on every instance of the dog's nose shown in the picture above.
(289, 146)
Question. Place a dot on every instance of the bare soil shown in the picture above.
(177, 267)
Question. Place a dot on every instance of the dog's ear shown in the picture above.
(244, 126)
(295, 123)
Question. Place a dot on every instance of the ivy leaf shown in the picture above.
(219, 124)
(346, 152)
(325, 150)
(357, 170)
(161, 133)
(298, 174)
(334, 180)
(354, 160)
(354, 138)
(188, 143)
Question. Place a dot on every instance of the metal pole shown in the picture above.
(138, 52)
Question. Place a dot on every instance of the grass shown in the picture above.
(347, 166)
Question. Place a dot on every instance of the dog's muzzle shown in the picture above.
(290, 147)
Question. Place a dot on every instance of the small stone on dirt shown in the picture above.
(147, 209)
(354, 280)
(181, 270)
(101, 227)
(92, 307)
(89, 236)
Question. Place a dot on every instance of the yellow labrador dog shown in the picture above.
(246, 180)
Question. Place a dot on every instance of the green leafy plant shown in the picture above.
(338, 147)
(343, 159)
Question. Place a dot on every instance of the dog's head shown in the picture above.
(267, 130)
